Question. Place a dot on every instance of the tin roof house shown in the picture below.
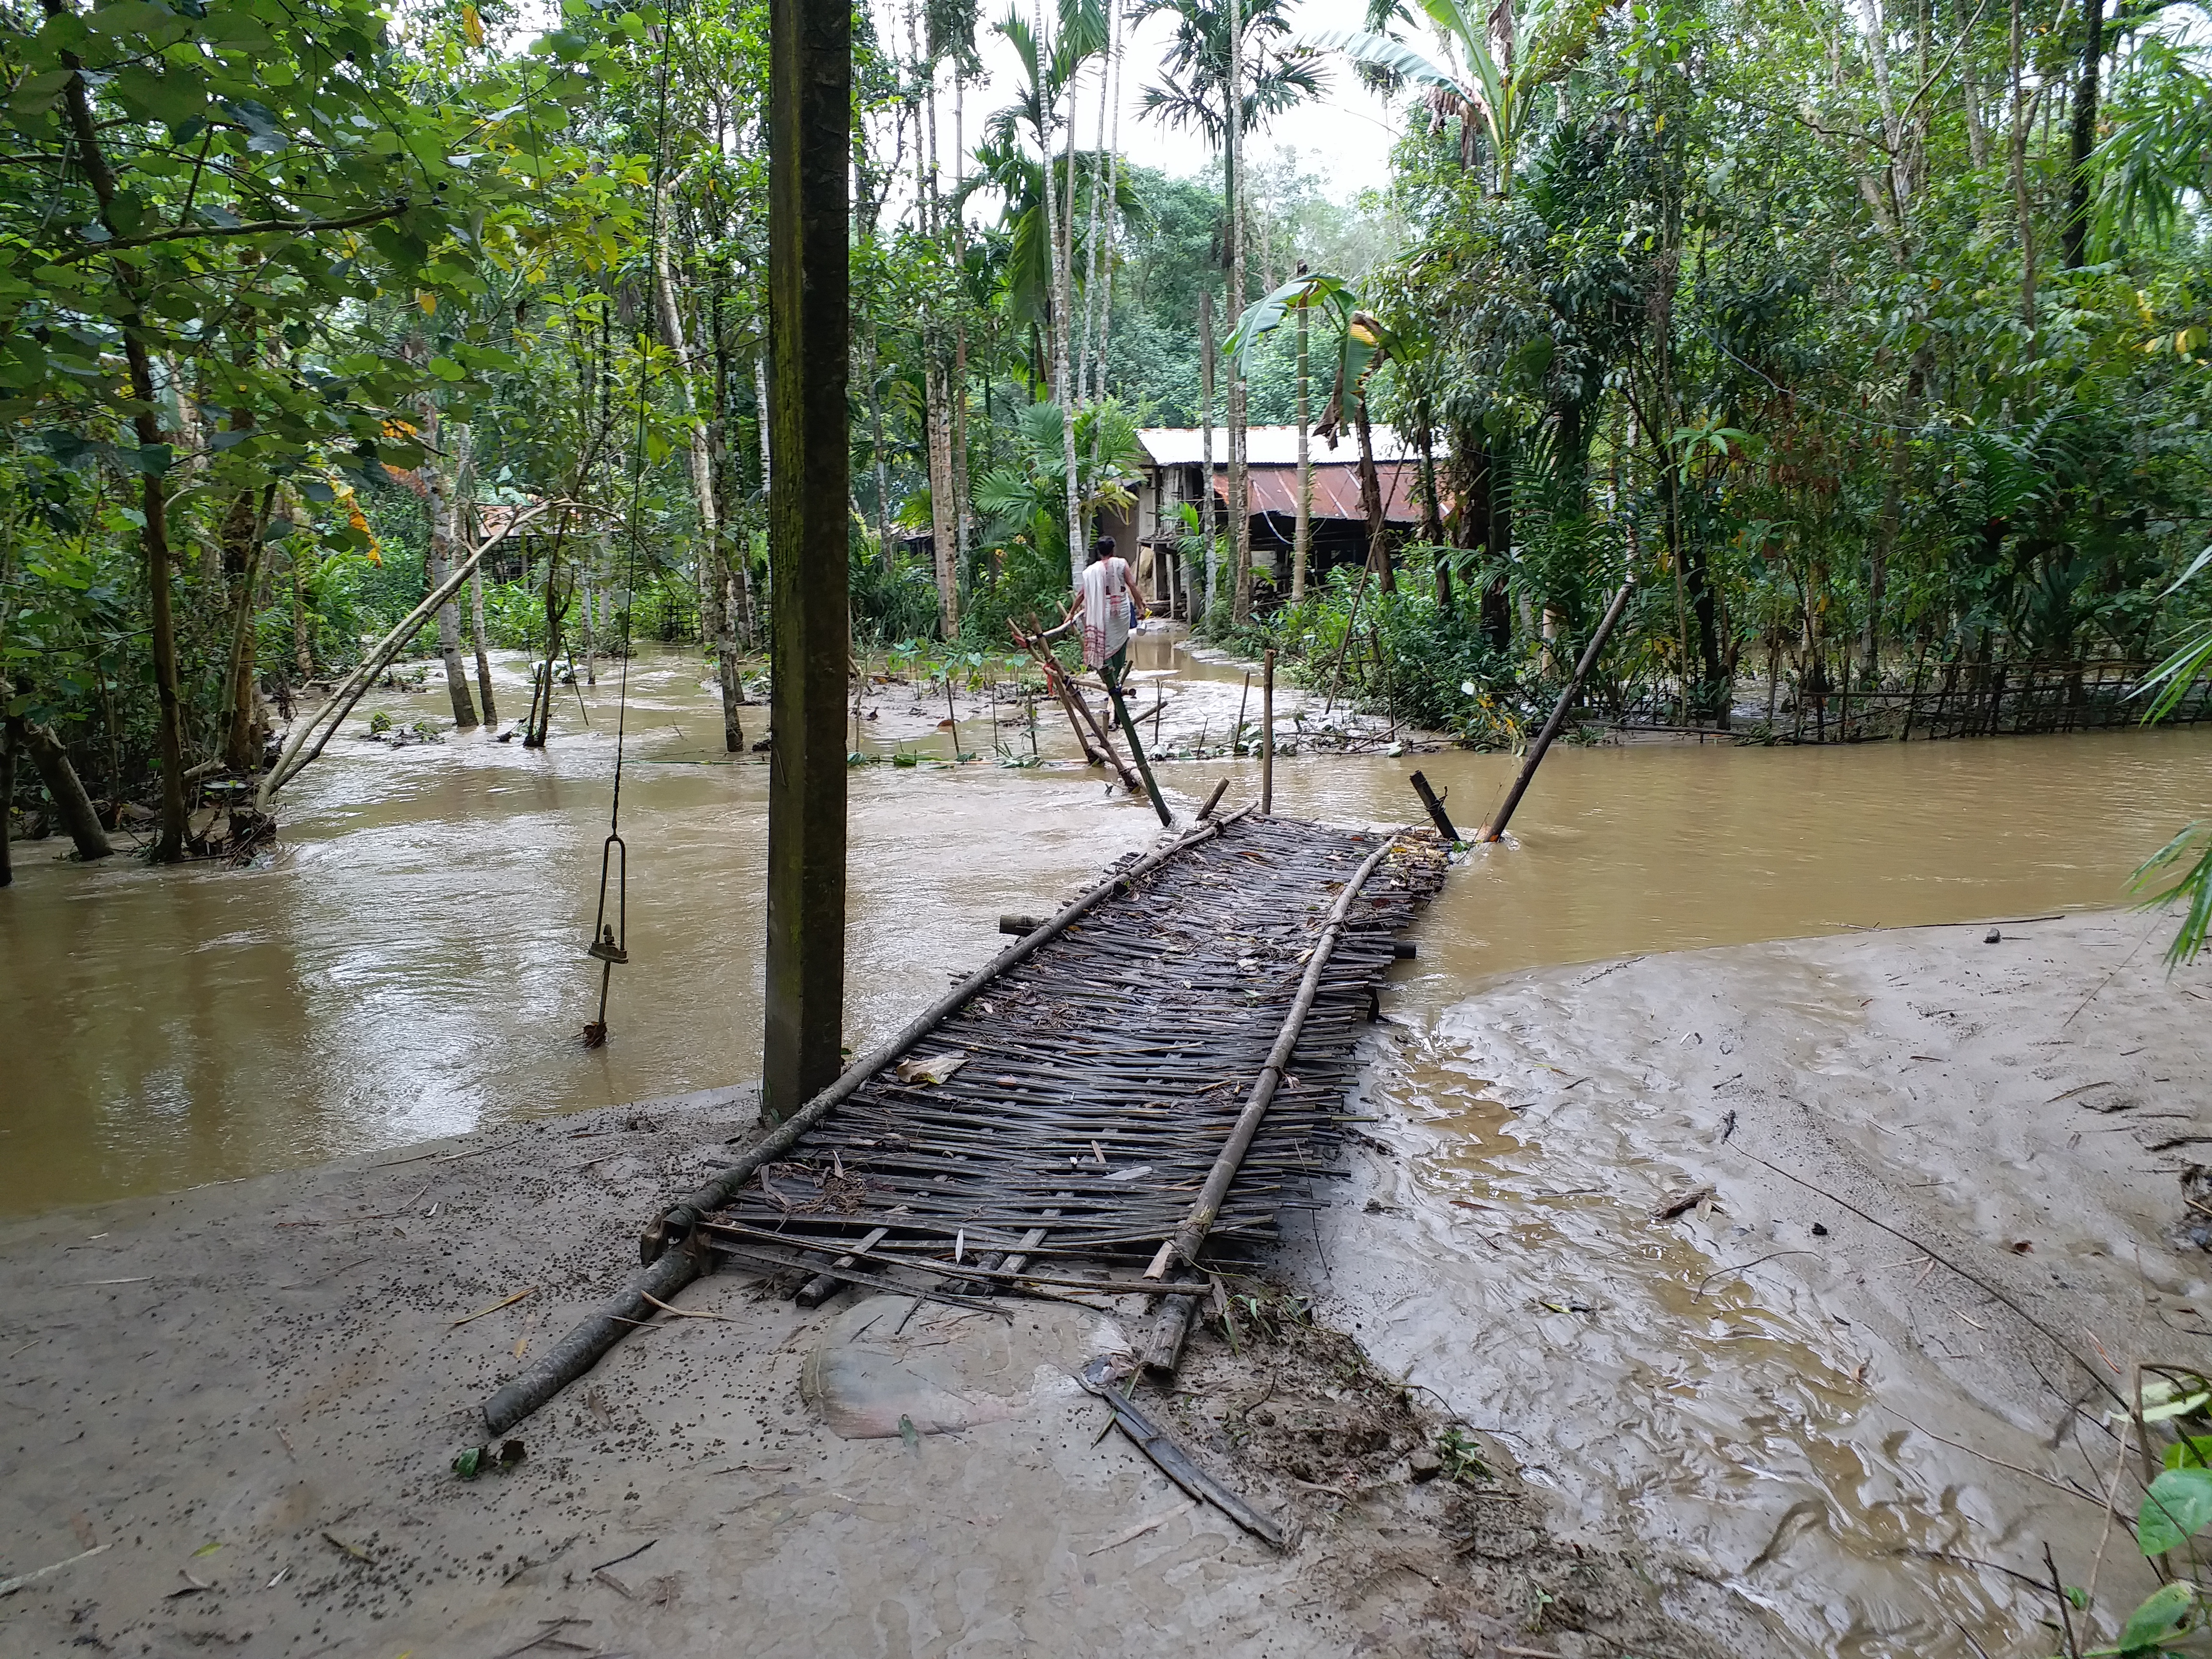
(1173, 476)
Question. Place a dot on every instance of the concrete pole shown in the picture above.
(809, 129)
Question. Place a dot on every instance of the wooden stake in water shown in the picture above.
(1136, 749)
(1268, 732)
(1496, 827)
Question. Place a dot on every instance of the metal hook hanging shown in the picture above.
(610, 939)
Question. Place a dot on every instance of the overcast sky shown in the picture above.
(1345, 138)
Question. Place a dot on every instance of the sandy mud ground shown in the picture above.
(246, 1398)
(1809, 1269)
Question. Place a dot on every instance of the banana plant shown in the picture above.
(1362, 344)
(1508, 54)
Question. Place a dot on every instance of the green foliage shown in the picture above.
(1402, 654)
(2177, 1507)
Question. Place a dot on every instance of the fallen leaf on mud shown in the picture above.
(935, 1069)
(354, 1550)
(1679, 1203)
(504, 1302)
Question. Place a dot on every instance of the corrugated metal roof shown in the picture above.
(1335, 491)
(1265, 445)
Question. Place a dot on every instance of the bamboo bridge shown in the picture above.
(1135, 1091)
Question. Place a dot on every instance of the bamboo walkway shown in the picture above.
(1155, 1075)
(1095, 1081)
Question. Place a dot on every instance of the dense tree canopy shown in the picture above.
(1862, 336)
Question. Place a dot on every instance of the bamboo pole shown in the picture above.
(1136, 748)
(1496, 827)
(1435, 804)
(1176, 1313)
(1268, 733)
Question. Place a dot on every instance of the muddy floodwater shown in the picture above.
(410, 963)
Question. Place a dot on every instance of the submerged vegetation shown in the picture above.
(1860, 338)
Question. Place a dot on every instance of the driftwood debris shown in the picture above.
(1172, 1461)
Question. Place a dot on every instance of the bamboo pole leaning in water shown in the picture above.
(1136, 747)
(290, 762)
(1268, 733)
(1175, 1315)
(1496, 827)
(673, 1259)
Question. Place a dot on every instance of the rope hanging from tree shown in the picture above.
(610, 939)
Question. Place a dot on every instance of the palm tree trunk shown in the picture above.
(1240, 516)
(945, 534)
(1058, 228)
(1302, 537)
(963, 518)
(714, 632)
(1205, 449)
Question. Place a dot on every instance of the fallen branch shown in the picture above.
(290, 762)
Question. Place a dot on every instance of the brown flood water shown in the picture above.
(410, 963)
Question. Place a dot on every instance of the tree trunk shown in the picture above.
(71, 804)
(882, 465)
(303, 647)
(2024, 217)
(962, 519)
(440, 473)
(587, 631)
(7, 804)
(1433, 522)
(1205, 449)
(241, 736)
(154, 496)
(809, 132)
(2075, 239)
(714, 632)
(1969, 88)
(1302, 537)
(944, 534)
(1370, 499)
(476, 632)
(1058, 339)
(1240, 483)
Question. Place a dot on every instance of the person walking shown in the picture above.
(1109, 608)
(1106, 608)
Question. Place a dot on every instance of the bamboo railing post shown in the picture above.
(1495, 827)
(1268, 733)
(1175, 1315)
